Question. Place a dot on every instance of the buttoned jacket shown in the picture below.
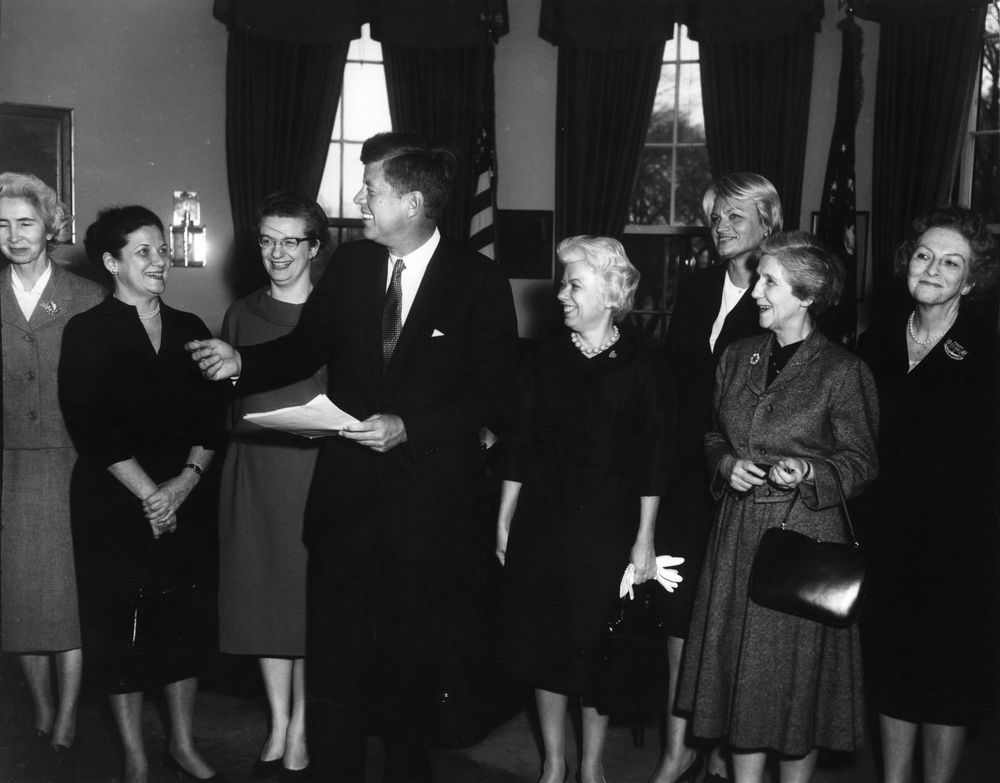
(32, 418)
(822, 407)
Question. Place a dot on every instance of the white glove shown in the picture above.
(665, 575)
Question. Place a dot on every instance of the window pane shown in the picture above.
(354, 175)
(329, 189)
(693, 178)
(366, 103)
(670, 49)
(364, 48)
(689, 48)
(651, 194)
(691, 119)
(661, 124)
(986, 177)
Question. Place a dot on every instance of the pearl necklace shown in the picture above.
(587, 350)
(146, 316)
(913, 332)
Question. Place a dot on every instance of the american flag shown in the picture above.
(484, 167)
(838, 217)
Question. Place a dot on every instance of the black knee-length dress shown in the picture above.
(931, 621)
(590, 437)
(123, 399)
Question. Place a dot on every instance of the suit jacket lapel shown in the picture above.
(431, 288)
(55, 300)
(805, 354)
(10, 310)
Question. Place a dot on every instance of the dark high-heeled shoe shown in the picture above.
(692, 771)
(174, 766)
(261, 770)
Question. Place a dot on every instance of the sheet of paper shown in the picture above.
(317, 418)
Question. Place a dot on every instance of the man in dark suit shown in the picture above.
(419, 337)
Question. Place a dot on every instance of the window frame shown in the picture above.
(356, 55)
(675, 268)
(972, 134)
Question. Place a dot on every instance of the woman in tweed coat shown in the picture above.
(37, 298)
(792, 412)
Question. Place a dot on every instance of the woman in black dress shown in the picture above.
(586, 469)
(931, 644)
(714, 308)
(145, 425)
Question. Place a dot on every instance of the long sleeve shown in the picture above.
(84, 369)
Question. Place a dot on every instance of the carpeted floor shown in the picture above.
(230, 728)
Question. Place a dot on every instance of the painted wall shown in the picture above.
(525, 71)
(146, 81)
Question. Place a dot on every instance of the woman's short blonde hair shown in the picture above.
(746, 186)
(56, 218)
(606, 256)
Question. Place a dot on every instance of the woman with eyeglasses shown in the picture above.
(266, 476)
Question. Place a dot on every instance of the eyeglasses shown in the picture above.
(288, 244)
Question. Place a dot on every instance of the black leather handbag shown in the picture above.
(163, 613)
(819, 580)
(633, 659)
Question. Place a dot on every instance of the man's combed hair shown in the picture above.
(412, 163)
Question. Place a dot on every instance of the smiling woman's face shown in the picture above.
(938, 271)
(23, 237)
(140, 270)
(736, 227)
(286, 267)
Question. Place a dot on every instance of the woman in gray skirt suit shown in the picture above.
(792, 412)
(37, 298)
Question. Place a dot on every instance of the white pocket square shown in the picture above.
(437, 333)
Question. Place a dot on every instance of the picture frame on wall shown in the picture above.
(860, 250)
(39, 140)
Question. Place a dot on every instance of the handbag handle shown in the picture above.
(848, 525)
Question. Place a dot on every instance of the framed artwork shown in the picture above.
(39, 140)
(524, 243)
(860, 250)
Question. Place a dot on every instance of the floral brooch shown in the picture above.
(755, 358)
(50, 307)
(954, 350)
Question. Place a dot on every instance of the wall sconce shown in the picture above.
(188, 238)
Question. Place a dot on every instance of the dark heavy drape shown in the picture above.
(926, 75)
(610, 56)
(605, 98)
(438, 58)
(609, 62)
(284, 73)
(439, 92)
(756, 102)
(281, 102)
